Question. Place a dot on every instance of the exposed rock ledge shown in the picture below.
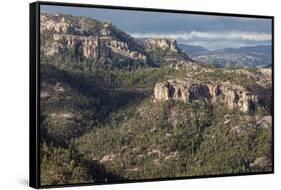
(162, 43)
(189, 89)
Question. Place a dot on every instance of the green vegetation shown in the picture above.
(115, 125)
(163, 57)
(100, 123)
(153, 142)
(236, 78)
(62, 166)
(66, 166)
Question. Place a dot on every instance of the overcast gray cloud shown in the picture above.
(209, 31)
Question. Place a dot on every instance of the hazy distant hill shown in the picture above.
(252, 56)
(264, 49)
(192, 50)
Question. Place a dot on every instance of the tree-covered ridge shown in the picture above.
(110, 119)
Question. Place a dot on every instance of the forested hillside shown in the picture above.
(117, 108)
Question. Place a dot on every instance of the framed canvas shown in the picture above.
(122, 94)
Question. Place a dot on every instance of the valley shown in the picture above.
(115, 108)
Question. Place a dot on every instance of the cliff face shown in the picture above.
(87, 46)
(89, 39)
(65, 35)
(188, 89)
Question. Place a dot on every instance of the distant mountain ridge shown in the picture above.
(265, 49)
(191, 49)
(248, 56)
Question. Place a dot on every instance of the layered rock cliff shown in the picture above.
(189, 89)
(89, 39)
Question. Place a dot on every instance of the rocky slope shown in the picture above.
(87, 39)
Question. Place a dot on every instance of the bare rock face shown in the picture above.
(123, 49)
(184, 90)
(237, 97)
(189, 89)
(162, 43)
(88, 46)
(266, 71)
(66, 37)
(58, 25)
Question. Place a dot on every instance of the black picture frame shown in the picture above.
(34, 89)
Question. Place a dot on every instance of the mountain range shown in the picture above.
(249, 56)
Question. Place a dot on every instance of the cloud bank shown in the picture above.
(213, 39)
(231, 35)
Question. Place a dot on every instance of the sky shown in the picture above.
(208, 31)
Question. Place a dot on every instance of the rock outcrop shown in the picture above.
(122, 48)
(162, 43)
(183, 90)
(189, 89)
(64, 35)
(90, 47)
(87, 46)
(54, 23)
